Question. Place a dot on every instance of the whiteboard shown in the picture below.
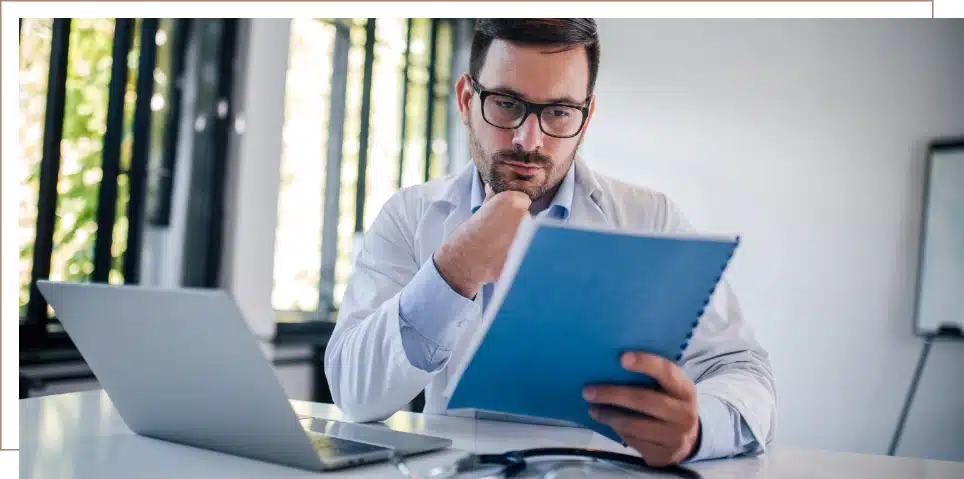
(940, 294)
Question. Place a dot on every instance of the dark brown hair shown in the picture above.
(565, 32)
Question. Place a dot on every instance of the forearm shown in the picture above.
(729, 364)
(431, 316)
(378, 360)
(737, 409)
(368, 373)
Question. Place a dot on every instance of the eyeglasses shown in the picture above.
(509, 112)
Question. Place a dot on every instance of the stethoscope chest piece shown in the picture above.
(481, 466)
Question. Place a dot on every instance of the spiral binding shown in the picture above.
(706, 302)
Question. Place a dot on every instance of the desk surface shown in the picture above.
(80, 435)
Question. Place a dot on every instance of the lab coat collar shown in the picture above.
(457, 190)
(562, 200)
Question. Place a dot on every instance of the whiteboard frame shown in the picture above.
(936, 146)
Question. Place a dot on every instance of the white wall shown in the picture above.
(807, 137)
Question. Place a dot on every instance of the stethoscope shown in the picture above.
(514, 463)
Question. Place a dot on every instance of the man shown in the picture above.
(426, 268)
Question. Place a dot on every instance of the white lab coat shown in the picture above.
(370, 375)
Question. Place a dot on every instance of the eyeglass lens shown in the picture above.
(556, 120)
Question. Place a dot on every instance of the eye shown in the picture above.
(559, 113)
(506, 103)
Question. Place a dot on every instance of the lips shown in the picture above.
(522, 168)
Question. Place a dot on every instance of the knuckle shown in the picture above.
(640, 401)
(512, 200)
(496, 200)
(623, 398)
(649, 396)
(609, 392)
(603, 392)
(668, 369)
(692, 416)
(518, 199)
(685, 412)
(688, 420)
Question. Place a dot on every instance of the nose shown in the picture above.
(529, 136)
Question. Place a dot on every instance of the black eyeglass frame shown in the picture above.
(530, 108)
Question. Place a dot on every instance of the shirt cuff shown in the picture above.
(430, 314)
(716, 436)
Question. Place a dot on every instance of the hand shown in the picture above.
(671, 431)
(475, 253)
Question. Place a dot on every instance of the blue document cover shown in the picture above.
(570, 301)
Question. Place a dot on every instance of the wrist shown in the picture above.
(457, 276)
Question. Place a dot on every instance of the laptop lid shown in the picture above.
(183, 366)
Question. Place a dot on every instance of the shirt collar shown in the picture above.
(560, 206)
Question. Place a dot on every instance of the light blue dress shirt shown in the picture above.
(428, 334)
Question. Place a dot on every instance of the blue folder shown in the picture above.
(570, 301)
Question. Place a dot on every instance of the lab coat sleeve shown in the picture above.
(727, 363)
(368, 371)
(432, 316)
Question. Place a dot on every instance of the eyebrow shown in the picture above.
(563, 99)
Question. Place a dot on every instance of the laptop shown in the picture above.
(181, 365)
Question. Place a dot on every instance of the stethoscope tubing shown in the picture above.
(514, 462)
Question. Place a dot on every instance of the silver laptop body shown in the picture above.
(181, 365)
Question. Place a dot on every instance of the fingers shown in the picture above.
(665, 372)
(655, 455)
(655, 431)
(670, 428)
(652, 403)
(659, 443)
(509, 198)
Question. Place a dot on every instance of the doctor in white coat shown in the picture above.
(427, 265)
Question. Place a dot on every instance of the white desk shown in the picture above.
(80, 435)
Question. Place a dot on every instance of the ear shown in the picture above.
(463, 97)
(592, 109)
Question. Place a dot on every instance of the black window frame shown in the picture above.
(42, 340)
(149, 202)
(326, 309)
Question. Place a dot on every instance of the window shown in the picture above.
(403, 142)
(101, 101)
(35, 45)
(86, 99)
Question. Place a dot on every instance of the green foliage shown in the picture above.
(85, 116)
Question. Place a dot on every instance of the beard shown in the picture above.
(502, 179)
